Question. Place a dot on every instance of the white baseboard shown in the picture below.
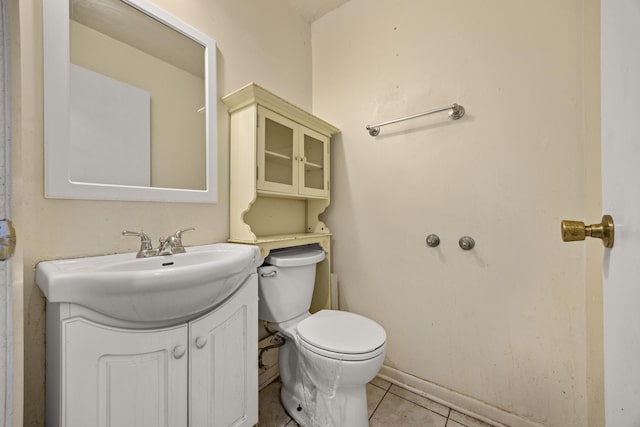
(454, 400)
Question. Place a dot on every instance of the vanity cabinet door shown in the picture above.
(223, 363)
(277, 153)
(119, 377)
(314, 164)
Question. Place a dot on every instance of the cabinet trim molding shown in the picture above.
(255, 94)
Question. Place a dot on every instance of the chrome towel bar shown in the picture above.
(455, 112)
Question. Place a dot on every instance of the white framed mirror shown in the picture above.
(129, 103)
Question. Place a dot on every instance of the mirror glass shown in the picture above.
(129, 103)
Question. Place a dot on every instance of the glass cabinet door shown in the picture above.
(314, 160)
(277, 152)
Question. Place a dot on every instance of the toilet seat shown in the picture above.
(348, 357)
(341, 335)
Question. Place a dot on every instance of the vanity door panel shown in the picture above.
(118, 378)
(224, 368)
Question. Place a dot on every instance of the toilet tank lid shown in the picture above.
(294, 257)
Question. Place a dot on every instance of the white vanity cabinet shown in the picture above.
(202, 372)
(292, 159)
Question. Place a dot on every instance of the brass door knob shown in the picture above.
(7, 239)
(575, 230)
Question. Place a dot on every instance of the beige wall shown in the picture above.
(504, 323)
(274, 52)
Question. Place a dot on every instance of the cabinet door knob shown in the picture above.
(179, 351)
(201, 342)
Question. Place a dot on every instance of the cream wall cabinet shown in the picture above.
(199, 373)
(279, 177)
(293, 160)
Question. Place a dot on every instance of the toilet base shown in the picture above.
(350, 403)
(291, 405)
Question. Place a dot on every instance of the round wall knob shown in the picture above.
(466, 243)
(179, 351)
(201, 342)
(433, 240)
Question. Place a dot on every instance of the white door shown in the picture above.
(620, 58)
(6, 341)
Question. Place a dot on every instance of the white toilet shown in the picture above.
(328, 357)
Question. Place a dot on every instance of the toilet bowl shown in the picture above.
(328, 357)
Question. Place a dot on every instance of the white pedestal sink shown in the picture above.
(151, 289)
(167, 340)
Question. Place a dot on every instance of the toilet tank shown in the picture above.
(286, 281)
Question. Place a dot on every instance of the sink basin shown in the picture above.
(150, 289)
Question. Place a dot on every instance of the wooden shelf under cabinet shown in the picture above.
(277, 241)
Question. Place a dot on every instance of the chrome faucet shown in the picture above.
(167, 246)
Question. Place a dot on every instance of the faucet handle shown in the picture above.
(178, 233)
(176, 241)
(145, 240)
(146, 247)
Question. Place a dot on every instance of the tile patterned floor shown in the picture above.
(389, 406)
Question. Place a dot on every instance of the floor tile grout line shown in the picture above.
(380, 387)
(423, 407)
(379, 403)
(388, 391)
